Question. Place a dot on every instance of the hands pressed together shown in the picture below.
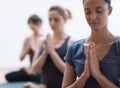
(49, 47)
(92, 62)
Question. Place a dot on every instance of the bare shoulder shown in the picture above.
(27, 40)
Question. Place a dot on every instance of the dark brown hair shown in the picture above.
(106, 1)
(34, 19)
(65, 13)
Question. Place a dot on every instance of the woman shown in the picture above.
(29, 48)
(96, 59)
(50, 58)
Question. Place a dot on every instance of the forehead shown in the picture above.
(94, 3)
(54, 14)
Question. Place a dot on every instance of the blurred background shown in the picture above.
(14, 29)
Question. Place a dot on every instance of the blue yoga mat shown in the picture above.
(12, 85)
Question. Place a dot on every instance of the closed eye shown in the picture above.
(99, 11)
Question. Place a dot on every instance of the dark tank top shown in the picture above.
(31, 55)
(51, 76)
(31, 52)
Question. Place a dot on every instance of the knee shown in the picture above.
(8, 77)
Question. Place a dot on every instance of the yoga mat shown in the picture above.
(12, 85)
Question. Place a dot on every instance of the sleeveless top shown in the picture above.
(51, 76)
(31, 55)
(109, 65)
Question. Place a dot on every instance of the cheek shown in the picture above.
(104, 18)
(61, 25)
(58, 24)
(87, 18)
(32, 27)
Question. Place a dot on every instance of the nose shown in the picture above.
(93, 16)
(52, 22)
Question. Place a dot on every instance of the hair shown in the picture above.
(65, 13)
(106, 1)
(34, 19)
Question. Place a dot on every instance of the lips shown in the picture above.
(94, 23)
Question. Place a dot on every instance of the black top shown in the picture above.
(109, 65)
(31, 55)
(51, 76)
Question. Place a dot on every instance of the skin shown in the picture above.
(30, 42)
(52, 42)
(95, 48)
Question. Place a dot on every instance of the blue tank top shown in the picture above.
(109, 65)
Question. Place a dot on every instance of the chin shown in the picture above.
(96, 28)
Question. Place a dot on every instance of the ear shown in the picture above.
(110, 10)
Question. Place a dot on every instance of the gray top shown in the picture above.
(109, 65)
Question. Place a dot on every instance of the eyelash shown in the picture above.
(90, 12)
(99, 11)
(56, 20)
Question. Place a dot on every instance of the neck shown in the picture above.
(58, 35)
(36, 34)
(102, 36)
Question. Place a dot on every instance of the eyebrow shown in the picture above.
(99, 7)
(96, 7)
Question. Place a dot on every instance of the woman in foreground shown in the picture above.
(95, 60)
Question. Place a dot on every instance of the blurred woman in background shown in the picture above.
(49, 57)
(29, 48)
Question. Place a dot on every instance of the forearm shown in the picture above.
(23, 54)
(22, 57)
(80, 83)
(38, 63)
(57, 61)
(104, 82)
(25, 49)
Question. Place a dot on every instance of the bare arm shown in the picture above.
(25, 49)
(80, 83)
(68, 81)
(104, 82)
(38, 61)
(69, 77)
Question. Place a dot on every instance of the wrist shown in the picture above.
(85, 75)
(97, 75)
(52, 52)
(45, 52)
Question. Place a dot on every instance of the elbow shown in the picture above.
(72, 86)
(64, 87)
(68, 87)
(21, 57)
(62, 70)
